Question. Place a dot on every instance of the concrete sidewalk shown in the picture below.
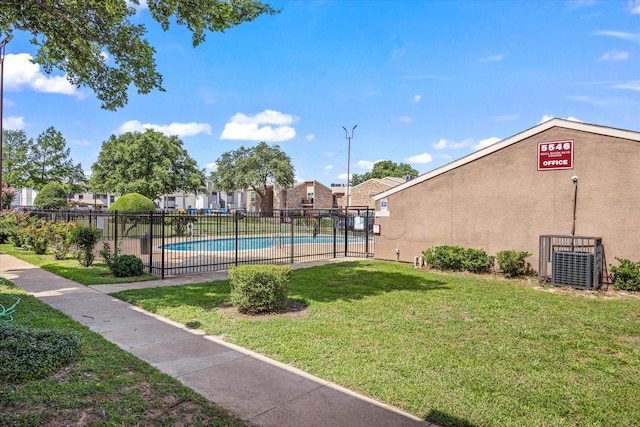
(259, 390)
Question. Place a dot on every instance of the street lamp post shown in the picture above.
(3, 43)
(349, 138)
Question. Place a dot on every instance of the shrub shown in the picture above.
(27, 354)
(37, 237)
(477, 261)
(61, 238)
(52, 196)
(627, 275)
(512, 263)
(445, 258)
(259, 288)
(85, 238)
(126, 266)
(132, 202)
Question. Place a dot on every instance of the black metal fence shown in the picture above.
(173, 243)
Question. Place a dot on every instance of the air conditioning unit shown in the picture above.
(572, 268)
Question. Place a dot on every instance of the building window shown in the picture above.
(253, 196)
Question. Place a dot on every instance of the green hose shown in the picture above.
(6, 314)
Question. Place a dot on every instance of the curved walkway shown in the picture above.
(259, 390)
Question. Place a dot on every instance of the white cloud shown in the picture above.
(634, 7)
(178, 129)
(138, 7)
(366, 164)
(206, 95)
(420, 158)
(485, 143)
(83, 142)
(632, 85)
(614, 55)
(405, 119)
(13, 123)
(328, 168)
(446, 144)
(343, 176)
(243, 127)
(492, 58)
(505, 118)
(310, 137)
(546, 118)
(417, 98)
(211, 166)
(20, 72)
(620, 35)
(600, 102)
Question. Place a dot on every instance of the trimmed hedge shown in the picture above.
(259, 288)
(513, 264)
(457, 258)
(29, 353)
(627, 275)
(132, 202)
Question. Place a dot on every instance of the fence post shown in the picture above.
(162, 246)
(291, 241)
(115, 231)
(235, 217)
(151, 242)
(346, 231)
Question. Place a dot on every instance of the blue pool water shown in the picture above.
(247, 243)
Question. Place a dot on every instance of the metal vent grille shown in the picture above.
(572, 268)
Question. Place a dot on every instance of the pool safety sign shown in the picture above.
(555, 155)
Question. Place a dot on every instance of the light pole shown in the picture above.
(349, 138)
(3, 43)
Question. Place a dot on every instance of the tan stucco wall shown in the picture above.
(501, 201)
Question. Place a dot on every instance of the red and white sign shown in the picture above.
(555, 155)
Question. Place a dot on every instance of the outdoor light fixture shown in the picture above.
(3, 43)
(349, 138)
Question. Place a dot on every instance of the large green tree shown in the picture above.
(95, 43)
(383, 169)
(255, 168)
(49, 160)
(148, 163)
(15, 149)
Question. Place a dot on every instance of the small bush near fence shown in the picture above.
(85, 238)
(457, 258)
(126, 266)
(513, 264)
(259, 288)
(626, 276)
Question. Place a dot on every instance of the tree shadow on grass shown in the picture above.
(344, 281)
(355, 280)
(443, 419)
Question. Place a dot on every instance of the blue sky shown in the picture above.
(426, 82)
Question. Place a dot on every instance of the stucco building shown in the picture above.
(558, 178)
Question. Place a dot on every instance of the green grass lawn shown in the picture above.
(105, 386)
(455, 350)
(69, 268)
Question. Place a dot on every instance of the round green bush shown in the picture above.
(132, 202)
(259, 288)
(126, 266)
(52, 196)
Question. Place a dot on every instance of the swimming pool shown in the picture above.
(248, 243)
